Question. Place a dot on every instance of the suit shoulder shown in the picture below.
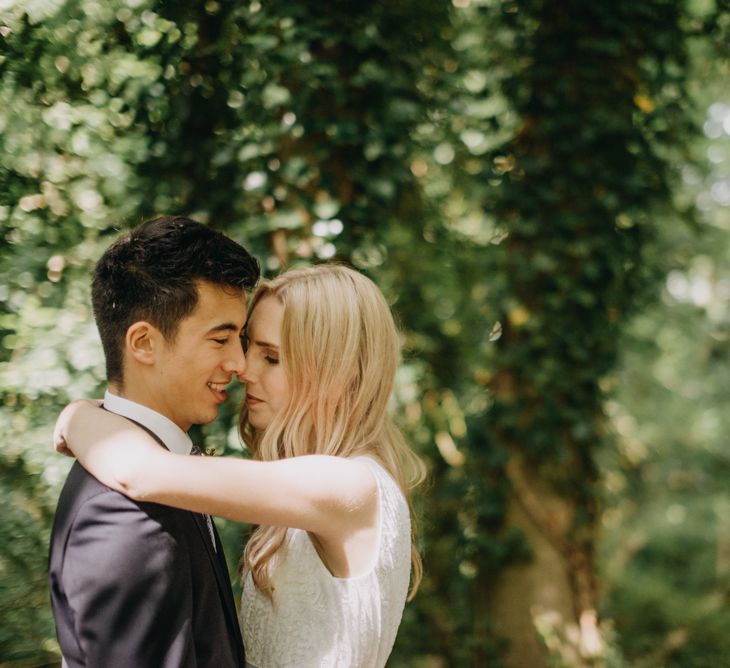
(85, 500)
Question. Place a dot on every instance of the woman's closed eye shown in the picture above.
(268, 354)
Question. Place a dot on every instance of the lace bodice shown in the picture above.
(321, 621)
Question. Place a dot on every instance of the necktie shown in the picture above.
(195, 450)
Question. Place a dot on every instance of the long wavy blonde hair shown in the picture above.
(339, 350)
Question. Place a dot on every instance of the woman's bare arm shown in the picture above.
(328, 496)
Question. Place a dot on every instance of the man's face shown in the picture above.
(192, 371)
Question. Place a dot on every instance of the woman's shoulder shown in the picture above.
(389, 489)
(375, 465)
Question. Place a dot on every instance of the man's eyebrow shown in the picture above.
(224, 327)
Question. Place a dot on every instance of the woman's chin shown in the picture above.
(258, 422)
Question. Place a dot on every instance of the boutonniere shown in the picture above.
(197, 450)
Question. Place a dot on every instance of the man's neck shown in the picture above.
(118, 389)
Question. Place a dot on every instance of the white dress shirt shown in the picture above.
(165, 429)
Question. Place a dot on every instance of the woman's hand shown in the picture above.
(71, 412)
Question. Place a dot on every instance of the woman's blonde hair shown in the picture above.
(339, 350)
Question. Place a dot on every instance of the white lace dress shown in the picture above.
(321, 621)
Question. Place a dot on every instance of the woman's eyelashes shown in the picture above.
(269, 356)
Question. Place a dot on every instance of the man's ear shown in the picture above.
(143, 342)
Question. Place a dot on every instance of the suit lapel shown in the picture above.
(216, 559)
(212, 554)
(221, 575)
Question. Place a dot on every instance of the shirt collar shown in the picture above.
(165, 429)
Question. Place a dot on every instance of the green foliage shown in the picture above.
(586, 169)
(503, 170)
(667, 505)
(665, 521)
(26, 634)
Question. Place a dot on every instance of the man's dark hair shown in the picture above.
(151, 273)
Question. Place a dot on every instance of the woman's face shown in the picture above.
(267, 388)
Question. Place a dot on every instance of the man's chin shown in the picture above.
(209, 416)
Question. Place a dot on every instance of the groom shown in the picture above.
(141, 585)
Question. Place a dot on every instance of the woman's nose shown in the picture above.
(248, 374)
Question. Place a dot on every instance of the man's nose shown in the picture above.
(236, 364)
(248, 375)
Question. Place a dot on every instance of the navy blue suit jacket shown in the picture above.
(138, 584)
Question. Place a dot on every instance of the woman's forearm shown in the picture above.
(317, 493)
(320, 494)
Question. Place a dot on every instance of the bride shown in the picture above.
(327, 569)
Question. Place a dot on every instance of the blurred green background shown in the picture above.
(540, 188)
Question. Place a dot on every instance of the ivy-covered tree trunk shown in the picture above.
(580, 179)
